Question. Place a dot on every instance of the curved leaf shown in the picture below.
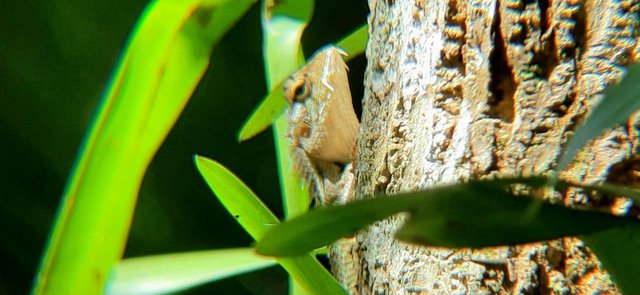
(250, 212)
(165, 57)
(256, 218)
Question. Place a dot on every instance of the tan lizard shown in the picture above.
(323, 128)
(323, 125)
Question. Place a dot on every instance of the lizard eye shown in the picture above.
(301, 91)
(295, 89)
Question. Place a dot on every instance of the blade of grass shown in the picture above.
(282, 27)
(473, 214)
(283, 23)
(264, 115)
(256, 219)
(484, 215)
(606, 188)
(165, 57)
(248, 210)
(295, 194)
(169, 273)
(620, 101)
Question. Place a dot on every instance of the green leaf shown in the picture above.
(256, 218)
(617, 248)
(263, 116)
(620, 101)
(165, 57)
(355, 43)
(484, 215)
(282, 29)
(250, 212)
(473, 214)
(619, 251)
(168, 273)
(295, 193)
(325, 225)
(309, 274)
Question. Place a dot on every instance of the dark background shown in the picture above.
(55, 59)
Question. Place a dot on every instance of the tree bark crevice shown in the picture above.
(461, 89)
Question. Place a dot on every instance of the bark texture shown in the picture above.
(460, 89)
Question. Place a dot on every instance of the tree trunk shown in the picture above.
(460, 89)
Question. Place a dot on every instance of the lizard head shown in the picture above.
(321, 117)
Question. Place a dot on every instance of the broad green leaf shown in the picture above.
(256, 218)
(169, 273)
(473, 214)
(165, 57)
(273, 104)
(620, 101)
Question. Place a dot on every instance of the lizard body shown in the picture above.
(323, 128)
(322, 125)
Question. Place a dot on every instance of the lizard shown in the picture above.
(323, 126)
(323, 129)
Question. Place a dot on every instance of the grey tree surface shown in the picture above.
(461, 89)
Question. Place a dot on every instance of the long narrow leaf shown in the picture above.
(620, 101)
(283, 23)
(256, 219)
(606, 188)
(295, 193)
(250, 212)
(164, 60)
(163, 274)
(474, 214)
(483, 215)
(617, 248)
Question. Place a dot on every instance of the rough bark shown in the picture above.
(460, 89)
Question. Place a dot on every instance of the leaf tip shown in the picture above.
(244, 134)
